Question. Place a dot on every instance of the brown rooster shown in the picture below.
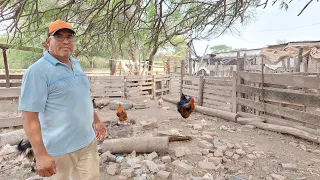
(185, 106)
(121, 113)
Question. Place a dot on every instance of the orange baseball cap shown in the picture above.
(57, 25)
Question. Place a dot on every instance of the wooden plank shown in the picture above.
(12, 76)
(217, 98)
(234, 92)
(281, 111)
(283, 79)
(217, 92)
(217, 103)
(161, 90)
(306, 99)
(218, 82)
(195, 88)
(11, 84)
(163, 79)
(216, 107)
(10, 122)
(218, 87)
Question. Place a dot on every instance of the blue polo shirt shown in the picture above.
(61, 95)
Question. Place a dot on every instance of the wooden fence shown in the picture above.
(284, 98)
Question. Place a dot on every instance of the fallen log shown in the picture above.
(174, 137)
(286, 130)
(12, 138)
(138, 144)
(283, 122)
(242, 120)
(209, 111)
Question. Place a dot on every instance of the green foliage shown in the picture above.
(220, 48)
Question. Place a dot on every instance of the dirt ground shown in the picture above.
(261, 154)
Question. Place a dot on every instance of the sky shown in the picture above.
(270, 25)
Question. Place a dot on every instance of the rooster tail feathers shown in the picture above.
(183, 97)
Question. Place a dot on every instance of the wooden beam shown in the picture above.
(11, 76)
(22, 48)
(283, 79)
(5, 61)
(282, 95)
(282, 111)
(10, 122)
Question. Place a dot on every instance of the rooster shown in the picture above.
(185, 106)
(26, 148)
(160, 101)
(121, 113)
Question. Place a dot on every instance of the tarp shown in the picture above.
(274, 56)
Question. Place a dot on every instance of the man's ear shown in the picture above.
(48, 41)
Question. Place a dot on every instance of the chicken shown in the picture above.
(121, 113)
(94, 104)
(160, 101)
(26, 148)
(185, 106)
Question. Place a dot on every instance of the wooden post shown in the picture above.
(240, 67)
(200, 91)
(5, 61)
(182, 75)
(234, 91)
(298, 61)
(231, 71)
(125, 93)
(153, 87)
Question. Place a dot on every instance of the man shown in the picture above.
(57, 111)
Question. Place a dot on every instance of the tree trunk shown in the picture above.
(151, 58)
(113, 62)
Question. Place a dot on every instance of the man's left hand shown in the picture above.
(100, 130)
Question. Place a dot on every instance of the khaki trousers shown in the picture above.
(82, 164)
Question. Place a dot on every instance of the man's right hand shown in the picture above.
(46, 166)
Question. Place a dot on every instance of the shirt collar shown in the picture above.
(54, 61)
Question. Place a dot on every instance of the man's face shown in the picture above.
(59, 46)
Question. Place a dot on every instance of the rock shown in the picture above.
(182, 167)
(289, 166)
(303, 147)
(293, 144)
(216, 160)
(163, 174)
(204, 122)
(207, 165)
(240, 152)
(219, 168)
(238, 146)
(134, 161)
(197, 127)
(223, 128)
(249, 163)
(277, 177)
(26, 164)
(122, 177)
(8, 149)
(229, 154)
(218, 153)
(217, 143)
(251, 156)
(149, 124)
(162, 167)
(250, 177)
(176, 176)
(235, 156)
(194, 132)
(205, 151)
(125, 104)
(205, 144)
(179, 151)
(112, 169)
(127, 172)
(152, 156)
(207, 137)
(222, 148)
(207, 176)
(153, 167)
(139, 106)
(236, 178)
(166, 159)
(269, 178)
